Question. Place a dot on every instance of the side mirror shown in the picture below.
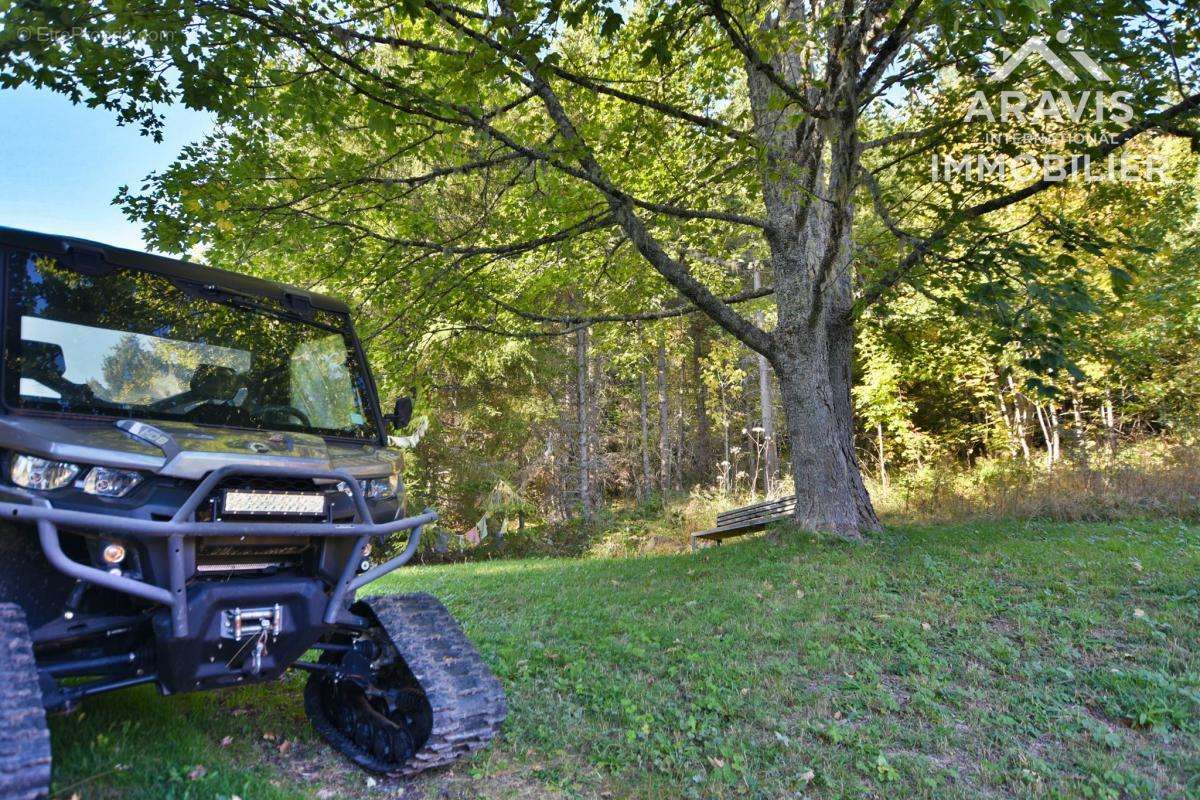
(402, 413)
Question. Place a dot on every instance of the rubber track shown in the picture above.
(466, 698)
(24, 738)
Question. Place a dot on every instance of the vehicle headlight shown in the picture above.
(378, 488)
(42, 474)
(372, 488)
(109, 482)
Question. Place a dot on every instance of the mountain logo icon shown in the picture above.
(1038, 45)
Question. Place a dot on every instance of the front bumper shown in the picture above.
(22, 506)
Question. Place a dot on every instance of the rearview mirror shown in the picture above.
(402, 413)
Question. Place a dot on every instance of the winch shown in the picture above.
(253, 626)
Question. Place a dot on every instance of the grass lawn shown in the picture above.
(999, 660)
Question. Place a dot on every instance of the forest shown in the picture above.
(624, 253)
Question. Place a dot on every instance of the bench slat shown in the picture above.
(761, 503)
(747, 519)
(757, 511)
(737, 530)
(775, 507)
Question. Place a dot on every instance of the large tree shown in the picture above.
(436, 140)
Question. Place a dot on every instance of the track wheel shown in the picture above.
(410, 695)
(24, 738)
(373, 711)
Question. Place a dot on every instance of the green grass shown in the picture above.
(1017, 660)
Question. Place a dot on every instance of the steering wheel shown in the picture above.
(263, 411)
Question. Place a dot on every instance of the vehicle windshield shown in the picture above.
(129, 343)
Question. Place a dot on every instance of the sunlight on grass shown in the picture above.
(1013, 659)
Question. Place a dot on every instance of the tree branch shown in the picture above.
(918, 253)
(756, 61)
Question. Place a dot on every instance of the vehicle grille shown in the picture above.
(223, 555)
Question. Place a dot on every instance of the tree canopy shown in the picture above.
(483, 179)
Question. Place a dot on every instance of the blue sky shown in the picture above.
(61, 164)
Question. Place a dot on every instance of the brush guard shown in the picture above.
(26, 506)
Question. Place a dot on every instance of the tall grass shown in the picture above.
(1155, 478)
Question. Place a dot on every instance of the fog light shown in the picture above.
(114, 553)
(109, 482)
(32, 472)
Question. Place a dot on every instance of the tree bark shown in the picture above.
(1019, 415)
(727, 462)
(581, 399)
(830, 495)
(1110, 423)
(883, 476)
(680, 458)
(702, 456)
(1079, 433)
(809, 173)
(647, 482)
(766, 405)
(664, 415)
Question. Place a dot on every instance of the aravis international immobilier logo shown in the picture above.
(1056, 131)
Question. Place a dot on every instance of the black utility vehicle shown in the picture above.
(194, 473)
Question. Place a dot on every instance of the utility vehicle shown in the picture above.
(194, 475)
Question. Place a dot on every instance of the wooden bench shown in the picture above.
(746, 519)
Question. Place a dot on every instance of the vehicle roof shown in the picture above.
(52, 244)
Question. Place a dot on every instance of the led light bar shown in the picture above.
(247, 503)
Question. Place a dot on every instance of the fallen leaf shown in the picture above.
(807, 775)
(1137, 612)
(284, 746)
(799, 594)
(925, 626)
(197, 773)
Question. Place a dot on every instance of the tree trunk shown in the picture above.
(647, 481)
(1055, 433)
(810, 171)
(1080, 434)
(596, 445)
(830, 495)
(727, 462)
(883, 476)
(680, 458)
(702, 456)
(664, 414)
(1110, 423)
(812, 360)
(1020, 414)
(581, 399)
(766, 405)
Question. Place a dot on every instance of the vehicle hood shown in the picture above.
(194, 450)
